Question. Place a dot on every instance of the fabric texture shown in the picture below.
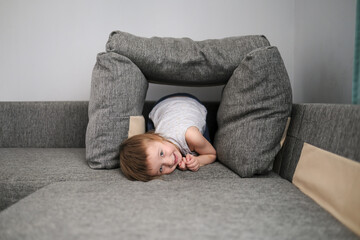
(43, 124)
(325, 177)
(333, 130)
(118, 90)
(51, 193)
(136, 125)
(331, 127)
(25, 170)
(253, 112)
(120, 81)
(211, 107)
(183, 61)
(252, 208)
(173, 116)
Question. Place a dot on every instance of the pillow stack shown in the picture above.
(255, 105)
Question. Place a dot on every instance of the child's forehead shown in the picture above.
(152, 145)
(152, 153)
(155, 143)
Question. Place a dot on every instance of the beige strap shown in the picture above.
(332, 181)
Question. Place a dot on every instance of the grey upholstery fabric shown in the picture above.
(118, 90)
(25, 170)
(287, 159)
(119, 87)
(332, 127)
(254, 108)
(58, 124)
(182, 61)
(51, 193)
(43, 124)
(186, 209)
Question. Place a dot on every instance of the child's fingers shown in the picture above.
(190, 158)
(182, 165)
(192, 165)
(194, 168)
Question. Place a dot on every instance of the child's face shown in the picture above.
(163, 157)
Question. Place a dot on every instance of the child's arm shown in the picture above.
(198, 143)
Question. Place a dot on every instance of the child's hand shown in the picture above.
(192, 163)
(182, 165)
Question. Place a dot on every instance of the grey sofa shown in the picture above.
(48, 191)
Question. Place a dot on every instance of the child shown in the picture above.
(178, 140)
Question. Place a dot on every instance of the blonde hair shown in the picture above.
(133, 156)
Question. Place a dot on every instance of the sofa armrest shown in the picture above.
(321, 156)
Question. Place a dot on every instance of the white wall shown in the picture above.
(48, 48)
(324, 50)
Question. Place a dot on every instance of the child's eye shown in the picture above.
(161, 169)
(161, 153)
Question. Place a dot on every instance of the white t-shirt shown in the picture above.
(174, 115)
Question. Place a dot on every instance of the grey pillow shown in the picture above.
(252, 115)
(182, 61)
(119, 81)
(118, 90)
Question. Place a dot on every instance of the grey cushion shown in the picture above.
(254, 108)
(185, 209)
(119, 87)
(118, 90)
(25, 170)
(182, 61)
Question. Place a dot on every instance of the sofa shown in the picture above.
(48, 190)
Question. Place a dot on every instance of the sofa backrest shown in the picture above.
(58, 124)
(43, 124)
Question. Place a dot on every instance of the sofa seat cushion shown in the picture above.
(250, 208)
(24, 170)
